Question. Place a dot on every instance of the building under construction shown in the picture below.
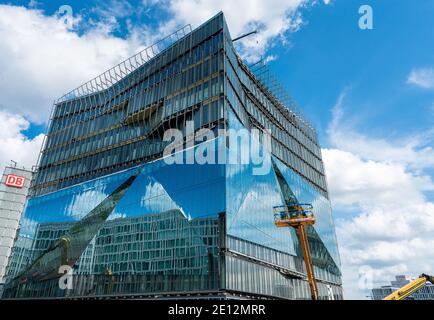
(105, 202)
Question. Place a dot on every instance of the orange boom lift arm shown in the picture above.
(298, 216)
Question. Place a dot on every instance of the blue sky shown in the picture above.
(369, 93)
(329, 53)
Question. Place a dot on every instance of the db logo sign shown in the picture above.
(15, 181)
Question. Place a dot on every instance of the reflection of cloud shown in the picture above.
(116, 215)
(156, 199)
(28, 227)
(235, 169)
(82, 203)
(262, 201)
(305, 193)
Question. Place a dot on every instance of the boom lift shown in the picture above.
(298, 216)
(410, 288)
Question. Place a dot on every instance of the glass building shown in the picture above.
(106, 201)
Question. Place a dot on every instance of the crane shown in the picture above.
(410, 288)
(299, 216)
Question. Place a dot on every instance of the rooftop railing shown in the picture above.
(270, 82)
(124, 68)
(115, 74)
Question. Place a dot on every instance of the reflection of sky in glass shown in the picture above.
(250, 202)
(82, 203)
(70, 204)
(152, 198)
(197, 190)
(323, 215)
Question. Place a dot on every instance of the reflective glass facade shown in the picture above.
(106, 202)
(123, 125)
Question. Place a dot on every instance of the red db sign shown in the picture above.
(15, 181)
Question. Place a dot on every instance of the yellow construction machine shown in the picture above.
(410, 288)
(299, 216)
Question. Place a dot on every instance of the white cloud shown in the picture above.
(382, 187)
(371, 182)
(83, 203)
(423, 77)
(40, 59)
(272, 18)
(14, 145)
(156, 199)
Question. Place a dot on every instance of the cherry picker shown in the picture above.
(410, 288)
(299, 216)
